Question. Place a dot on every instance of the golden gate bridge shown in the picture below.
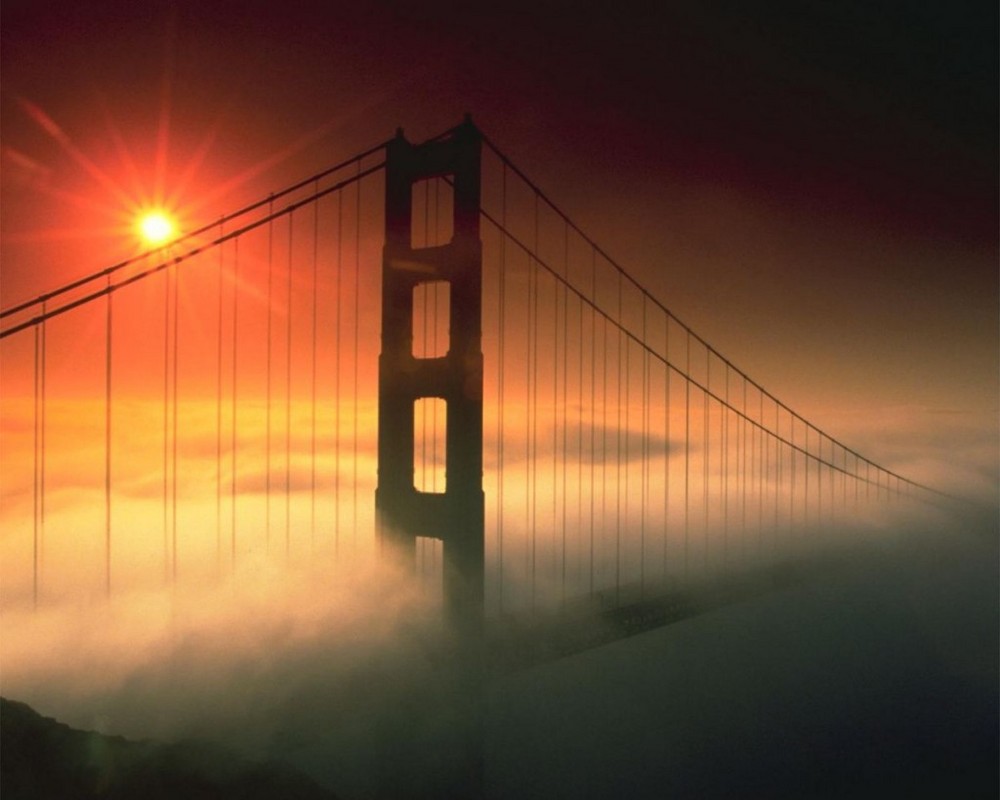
(422, 324)
(413, 352)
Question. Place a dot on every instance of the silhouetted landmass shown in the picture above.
(41, 758)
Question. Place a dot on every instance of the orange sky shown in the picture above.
(827, 226)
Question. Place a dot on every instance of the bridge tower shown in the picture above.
(455, 516)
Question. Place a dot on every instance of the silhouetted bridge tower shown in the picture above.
(455, 514)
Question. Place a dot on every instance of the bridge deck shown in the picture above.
(519, 640)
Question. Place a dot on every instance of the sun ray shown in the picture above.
(121, 148)
(267, 163)
(24, 161)
(358, 110)
(85, 202)
(63, 234)
(194, 163)
(166, 94)
(51, 127)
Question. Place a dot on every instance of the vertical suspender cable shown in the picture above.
(831, 472)
(533, 416)
(792, 482)
(722, 482)
(107, 442)
(666, 440)
(336, 373)
(819, 480)
(754, 459)
(502, 331)
(645, 454)
(579, 442)
(593, 409)
(748, 469)
(173, 424)
(856, 474)
(777, 467)
(357, 336)
(618, 452)
(727, 412)
(579, 433)
(624, 497)
(604, 431)
(312, 382)
(804, 478)
(555, 415)
(565, 406)
(218, 413)
(825, 483)
(705, 419)
(761, 476)
(687, 453)
(35, 468)
(288, 393)
(233, 443)
(167, 278)
(267, 410)
(844, 481)
(42, 453)
(836, 477)
(765, 471)
(832, 481)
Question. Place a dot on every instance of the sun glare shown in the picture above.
(156, 227)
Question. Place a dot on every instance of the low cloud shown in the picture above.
(328, 668)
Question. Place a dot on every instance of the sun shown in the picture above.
(156, 227)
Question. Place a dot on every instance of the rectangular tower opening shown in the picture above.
(431, 319)
(432, 220)
(430, 422)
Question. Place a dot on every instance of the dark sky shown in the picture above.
(813, 186)
(888, 108)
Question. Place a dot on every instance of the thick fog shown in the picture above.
(876, 673)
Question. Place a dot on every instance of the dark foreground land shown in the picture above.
(41, 759)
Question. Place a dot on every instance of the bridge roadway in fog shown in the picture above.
(519, 640)
(875, 679)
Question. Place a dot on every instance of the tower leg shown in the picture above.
(456, 516)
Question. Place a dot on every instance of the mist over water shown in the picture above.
(344, 672)
(874, 678)
(307, 665)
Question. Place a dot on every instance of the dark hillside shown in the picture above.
(41, 758)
